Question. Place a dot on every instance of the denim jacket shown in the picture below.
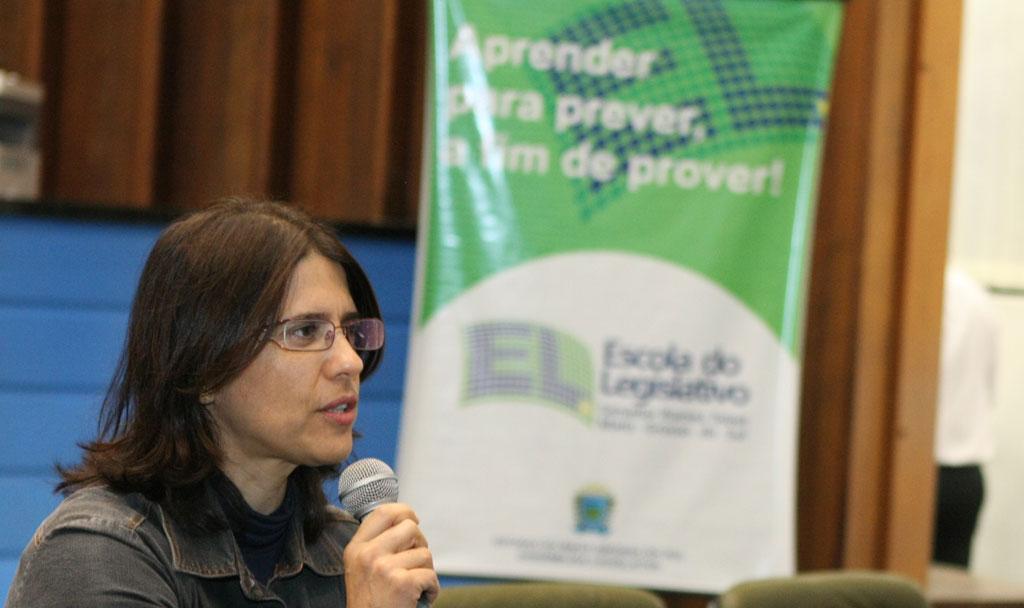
(100, 548)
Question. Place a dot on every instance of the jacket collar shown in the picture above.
(217, 555)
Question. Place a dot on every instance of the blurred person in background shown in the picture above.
(965, 437)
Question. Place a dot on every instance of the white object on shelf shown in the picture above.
(20, 104)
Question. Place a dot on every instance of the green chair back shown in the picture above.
(545, 595)
(834, 589)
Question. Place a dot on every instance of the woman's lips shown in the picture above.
(342, 412)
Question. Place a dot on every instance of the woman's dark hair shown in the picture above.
(213, 283)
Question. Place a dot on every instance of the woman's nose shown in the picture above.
(343, 359)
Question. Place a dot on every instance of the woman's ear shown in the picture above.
(206, 398)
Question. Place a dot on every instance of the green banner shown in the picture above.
(687, 131)
(604, 366)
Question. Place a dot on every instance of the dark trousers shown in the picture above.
(961, 491)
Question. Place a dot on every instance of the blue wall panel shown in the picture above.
(54, 262)
(388, 381)
(27, 501)
(389, 264)
(59, 348)
(378, 425)
(65, 291)
(42, 428)
(7, 567)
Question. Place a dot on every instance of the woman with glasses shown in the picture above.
(235, 398)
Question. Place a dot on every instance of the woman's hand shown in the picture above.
(387, 562)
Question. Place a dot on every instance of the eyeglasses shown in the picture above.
(318, 334)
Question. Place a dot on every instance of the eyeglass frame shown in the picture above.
(271, 333)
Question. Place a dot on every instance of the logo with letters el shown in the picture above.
(521, 361)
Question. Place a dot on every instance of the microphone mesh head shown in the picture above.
(366, 484)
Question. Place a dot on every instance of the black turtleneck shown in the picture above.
(261, 538)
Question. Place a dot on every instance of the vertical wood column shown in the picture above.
(887, 89)
(933, 130)
(848, 367)
(103, 145)
(343, 108)
(871, 357)
(405, 144)
(219, 100)
(21, 37)
(831, 331)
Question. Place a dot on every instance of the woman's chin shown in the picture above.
(334, 457)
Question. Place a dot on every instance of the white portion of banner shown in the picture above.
(605, 417)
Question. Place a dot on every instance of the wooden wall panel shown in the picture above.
(170, 104)
(831, 333)
(403, 191)
(104, 143)
(912, 489)
(870, 368)
(343, 106)
(22, 26)
(886, 91)
(219, 100)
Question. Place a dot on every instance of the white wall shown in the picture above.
(987, 238)
(999, 546)
(987, 230)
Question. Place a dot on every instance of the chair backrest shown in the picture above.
(546, 595)
(832, 589)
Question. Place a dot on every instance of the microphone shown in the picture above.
(365, 485)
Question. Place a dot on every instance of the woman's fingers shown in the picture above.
(427, 582)
(412, 559)
(384, 518)
(387, 562)
(404, 535)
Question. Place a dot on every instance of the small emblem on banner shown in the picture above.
(594, 505)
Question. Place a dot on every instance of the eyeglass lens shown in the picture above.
(364, 334)
(318, 334)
